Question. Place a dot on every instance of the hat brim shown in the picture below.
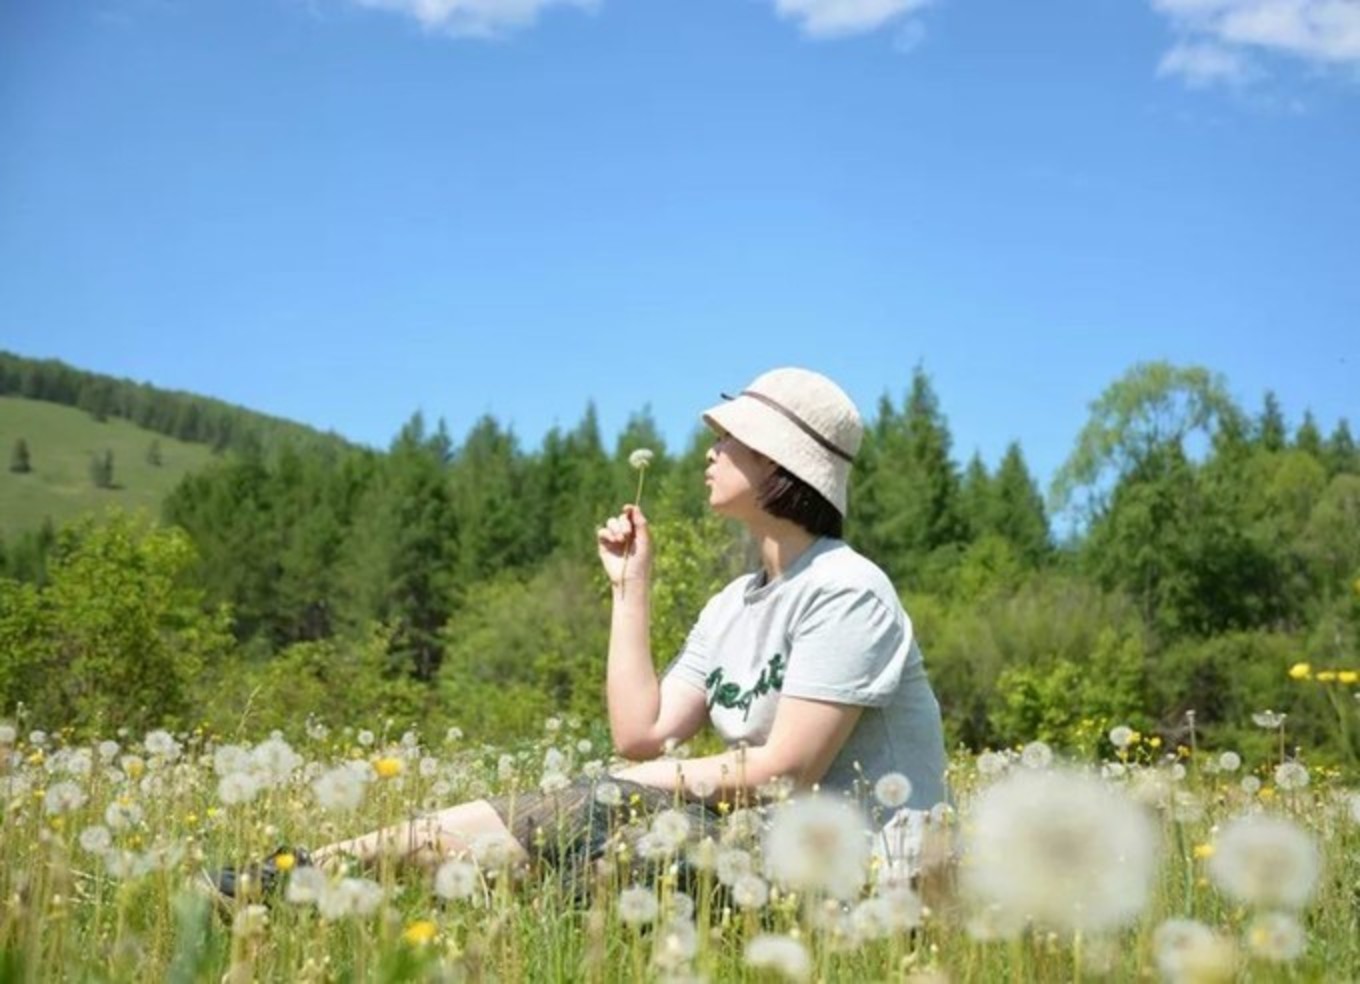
(765, 430)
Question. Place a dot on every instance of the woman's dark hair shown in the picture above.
(787, 496)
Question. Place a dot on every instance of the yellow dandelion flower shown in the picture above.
(1267, 793)
(1325, 676)
(58, 823)
(191, 819)
(36, 758)
(1135, 737)
(387, 767)
(1300, 671)
(1154, 742)
(285, 861)
(212, 811)
(1202, 851)
(420, 932)
(1348, 676)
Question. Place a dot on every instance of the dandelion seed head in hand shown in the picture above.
(641, 458)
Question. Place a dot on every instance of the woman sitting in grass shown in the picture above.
(807, 667)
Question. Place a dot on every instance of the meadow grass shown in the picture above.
(61, 441)
(102, 845)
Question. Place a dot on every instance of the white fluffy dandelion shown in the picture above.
(1060, 848)
(1290, 776)
(163, 745)
(122, 814)
(8, 733)
(1266, 861)
(495, 850)
(1277, 937)
(671, 827)
(63, 797)
(349, 897)
(608, 793)
(1121, 736)
(455, 880)
(750, 891)
(238, 787)
(1230, 761)
(339, 789)
(731, 863)
(305, 886)
(554, 782)
(637, 905)
(275, 761)
(818, 843)
(1036, 755)
(991, 764)
(782, 954)
(96, 839)
(1189, 952)
(892, 790)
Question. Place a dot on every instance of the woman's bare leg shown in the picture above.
(428, 840)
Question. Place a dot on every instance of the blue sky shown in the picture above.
(341, 211)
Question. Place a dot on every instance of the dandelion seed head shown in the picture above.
(340, 789)
(275, 760)
(1277, 937)
(1250, 785)
(455, 880)
(238, 787)
(784, 955)
(817, 843)
(305, 886)
(1269, 720)
(554, 782)
(731, 863)
(1290, 776)
(8, 733)
(608, 793)
(1061, 848)
(365, 738)
(1189, 952)
(494, 850)
(162, 744)
(1230, 761)
(641, 458)
(1036, 755)
(122, 814)
(349, 898)
(676, 944)
(893, 790)
(63, 797)
(671, 826)
(1121, 736)
(750, 891)
(991, 764)
(1266, 861)
(96, 839)
(637, 905)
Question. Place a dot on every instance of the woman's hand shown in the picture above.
(626, 547)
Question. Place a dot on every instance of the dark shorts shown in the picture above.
(569, 830)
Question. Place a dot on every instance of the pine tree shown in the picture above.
(1270, 427)
(101, 470)
(1340, 453)
(19, 461)
(975, 498)
(1019, 508)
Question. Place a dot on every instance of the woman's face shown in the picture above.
(734, 475)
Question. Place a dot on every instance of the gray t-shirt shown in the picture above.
(829, 628)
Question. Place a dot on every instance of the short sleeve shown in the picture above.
(849, 647)
(691, 665)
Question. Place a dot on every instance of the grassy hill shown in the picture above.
(61, 441)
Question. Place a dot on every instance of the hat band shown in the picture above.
(798, 421)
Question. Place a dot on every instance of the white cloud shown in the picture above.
(1204, 64)
(1217, 35)
(473, 18)
(842, 18)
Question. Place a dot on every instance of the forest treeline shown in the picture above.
(186, 416)
(453, 581)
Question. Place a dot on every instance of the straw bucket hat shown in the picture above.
(801, 420)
